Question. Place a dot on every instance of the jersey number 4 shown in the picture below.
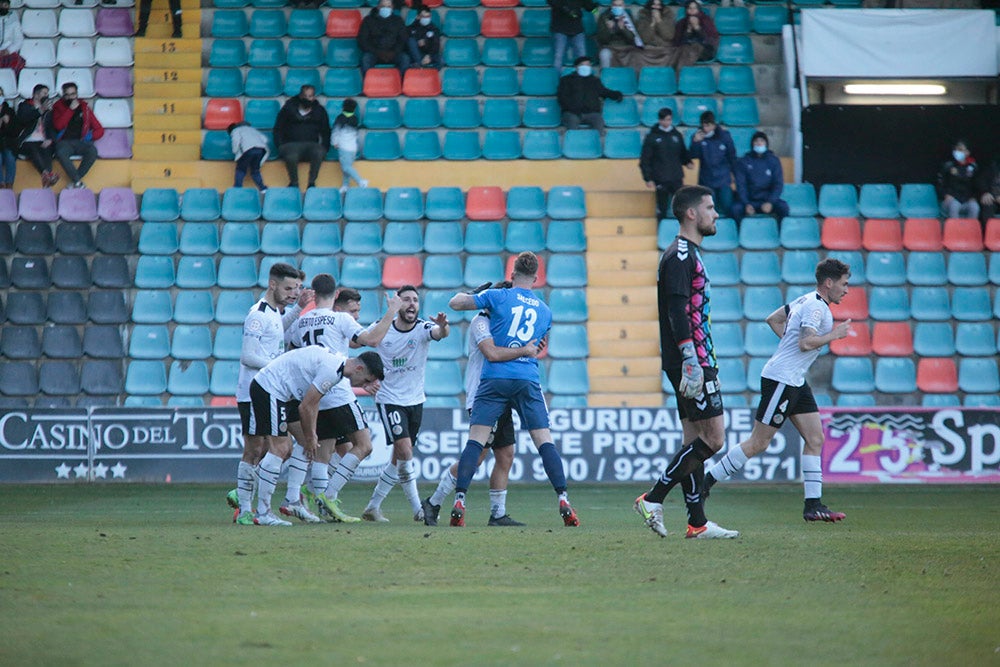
(525, 331)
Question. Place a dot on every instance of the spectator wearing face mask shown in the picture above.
(424, 41)
(617, 36)
(8, 144)
(11, 39)
(661, 161)
(713, 147)
(956, 183)
(345, 139)
(35, 137)
(759, 182)
(302, 134)
(382, 39)
(581, 96)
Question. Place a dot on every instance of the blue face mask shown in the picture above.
(584, 70)
(617, 11)
(759, 149)
(385, 12)
(958, 155)
(425, 20)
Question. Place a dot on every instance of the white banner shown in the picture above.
(899, 43)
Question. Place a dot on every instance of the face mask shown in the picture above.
(710, 134)
(617, 11)
(348, 114)
(759, 150)
(666, 128)
(584, 70)
(425, 21)
(385, 12)
(958, 155)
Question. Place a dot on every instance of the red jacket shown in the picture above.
(92, 129)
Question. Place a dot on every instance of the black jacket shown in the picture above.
(567, 15)
(958, 180)
(10, 132)
(663, 155)
(431, 35)
(313, 127)
(582, 94)
(378, 35)
(27, 117)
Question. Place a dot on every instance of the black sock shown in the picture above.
(709, 481)
(683, 464)
(692, 485)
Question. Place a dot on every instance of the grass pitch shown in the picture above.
(157, 575)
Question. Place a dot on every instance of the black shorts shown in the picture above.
(268, 414)
(244, 409)
(339, 422)
(778, 401)
(502, 434)
(705, 405)
(401, 421)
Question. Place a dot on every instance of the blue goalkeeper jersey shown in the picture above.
(517, 317)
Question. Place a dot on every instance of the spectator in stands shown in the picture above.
(580, 97)
(8, 144)
(345, 139)
(989, 187)
(656, 26)
(713, 147)
(250, 149)
(759, 182)
(76, 129)
(696, 36)
(663, 153)
(617, 36)
(35, 135)
(566, 25)
(424, 41)
(146, 6)
(302, 134)
(11, 39)
(956, 183)
(382, 39)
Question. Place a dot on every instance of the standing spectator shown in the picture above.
(424, 41)
(302, 134)
(656, 27)
(696, 35)
(76, 129)
(663, 153)
(382, 39)
(250, 149)
(759, 182)
(35, 136)
(617, 36)
(8, 144)
(566, 25)
(989, 186)
(956, 183)
(580, 95)
(714, 147)
(146, 6)
(11, 39)
(345, 139)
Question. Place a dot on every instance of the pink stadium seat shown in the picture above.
(117, 205)
(540, 281)
(857, 343)
(399, 270)
(77, 205)
(937, 375)
(922, 234)
(882, 235)
(485, 203)
(115, 22)
(892, 339)
(422, 83)
(382, 82)
(343, 23)
(38, 205)
(114, 144)
(113, 82)
(841, 234)
(499, 23)
(992, 236)
(854, 306)
(963, 235)
(223, 402)
(221, 113)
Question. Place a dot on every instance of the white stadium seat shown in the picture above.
(113, 113)
(39, 53)
(8, 83)
(77, 23)
(75, 52)
(83, 78)
(32, 76)
(114, 52)
(41, 4)
(39, 23)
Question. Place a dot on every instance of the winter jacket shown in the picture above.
(345, 133)
(11, 36)
(708, 34)
(567, 15)
(62, 114)
(243, 138)
(27, 117)
(718, 159)
(582, 94)
(662, 34)
(431, 35)
(958, 180)
(313, 127)
(382, 36)
(9, 132)
(613, 36)
(759, 178)
(663, 155)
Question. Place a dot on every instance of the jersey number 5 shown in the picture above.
(525, 332)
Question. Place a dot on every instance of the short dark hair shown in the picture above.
(307, 87)
(373, 363)
(581, 60)
(687, 197)
(526, 264)
(831, 268)
(324, 285)
(707, 117)
(665, 112)
(759, 135)
(69, 84)
(346, 295)
(406, 288)
(281, 270)
(349, 105)
(38, 87)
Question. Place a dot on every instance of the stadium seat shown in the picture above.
(342, 53)
(760, 340)
(542, 145)
(194, 306)
(281, 205)
(798, 267)
(963, 235)
(497, 23)
(266, 262)
(499, 82)
(160, 205)
(536, 23)
(398, 271)
(970, 304)
(760, 302)
(735, 50)
(895, 375)
(483, 238)
(485, 203)
(343, 23)
(63, 342)
(657, 82)
(228, 53)
(539, 82)
(732, 20)
(501, 145)
(497, 52)
(737, 80)
(38, 205)
(930, 304)
(363, 204)
(224, 378)
(239, 238)
(854, 306)
(240, 205)
(444, 378)
(568, 305)
(853, 375)
(922, 235)
(443, 271)
(885, 268)
(992, 235)
(295, 79)
(322, 205)
(930, 339)
(841, 233)
(421, 83)
(70, 272)
(666, 232)
(524, 235)
(37, 53)
(728, 339)
(459, 145)
(568, 376)
(757, 268)
(566, 270)
(694, 107)
(500, 113)
(266, 53)
(769, 19)
(994, 272)
(887, 303)
(199, 239)
(280, 238)
(21, 342)
(383, 114)
(461, 114)
(224, 83)
(937, 375)
(191, 342)
(72, 238)
(981, 400)
(725, 238)
(444, 237)
(582, 144)
(342, 81)
(29, 308)
(759, 233)
(568, 341)
(801, 199)
(216, 145)
(723, 268)
(878, 200)
(461, 23)
(740, 111)
(228, 343)
(445, 204)
(233, 306)
(732, 373)
(461, 53)
(838, 200)
(268, 23)
(403, 204)
(918, 200)
(566, 202)
(146, 378)
(939, 401)
(188, 379)
(422, 114)
(436, 301)
(75, 53)
(200, 205)
(882, 235)
(362, 238)
(622, 144)
(305, 53)
(237, 272)
(696, 80)
(460, 82)
(229, 24)
(29, 78)
(306, 24)
(799, 233)
(382, 146)
(925, 268)
(966, 268)
(34, 238)
(313, 265)
(537, 52)
(361, 272)
(622, 79)
(402, 238)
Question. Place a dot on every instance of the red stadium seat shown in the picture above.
(221, 113)
(922, 234)
(485, 203)
(841, 234)
(343, 23)
(499, 23)
(858, 342)
(882, 235)
(854, 306)
(422, 83)
(223, 402)
(992, 238)
(937, 375)
(500, 3)
(399, 270)
(892, 339)
(963, 235)
(383, 82)
(539, 281)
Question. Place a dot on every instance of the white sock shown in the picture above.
(319, 478)
(563, 496)
(812, 476)
(298, 465)
(498, 502)
(727, 466)
(408, 480)
(444, 489)
(388, 479)
(268, 470)
(334, 462)
(342, 475)
(245, 478)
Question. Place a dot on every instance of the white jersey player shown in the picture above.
(805, 326)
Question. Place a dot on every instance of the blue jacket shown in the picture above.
(718, 159)
(759, 178)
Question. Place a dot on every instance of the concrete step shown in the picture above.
(604, 204)
(626, 400)
(166, 45)
(180, 184)
(622, 331)
(637, 366)
(169, 90)
(179, 60)
(168, 152)
(619, 296)
(599, 260)
(638, 385)
(614, 278)
(163, 170)
(167, 74)
(623, 243)
(168, 138)
(631, 313)
(619, 226)
(161, 122)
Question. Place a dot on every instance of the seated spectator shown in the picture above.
(713, 146)
(35, 135)
(696, 36)
(956, 183)
(11, 39)
(8, 144)
(424, 41)
(580, 96)
(656, 26)
(302, 134)
(617, 36)
(345, 139)
(76, 129)
(989, 187)
(382, 39)
(566, 24)
(759, 182)
(250, 149)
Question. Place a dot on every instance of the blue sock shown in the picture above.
(467, 464)
(553, 466)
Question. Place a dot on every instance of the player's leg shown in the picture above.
(350, 423)
(503, 455)
(431, 505)
(810, 426)
(279, 448)
(394, 423)
(241, 498)
(298, 464)
(711, 431)
(468, 462)
(405, 465)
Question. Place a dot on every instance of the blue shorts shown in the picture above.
(495, 395)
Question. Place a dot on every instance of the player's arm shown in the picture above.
(463, 301)
(373, 335)
(308, 412)
(692, 375)
(252, 353)
(777, 320)
(495, 354)
(441, 327)
(811, 340)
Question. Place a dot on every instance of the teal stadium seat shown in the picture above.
(622, 144)
(263, 83)
(362, 238)
(501, 145)
(261, 114)
(383, 114)
(568, 341)
(483, 238)
(878, 200)
(728, 339)
(233, 306)
(853, 259)
(199, 239)
(885, 269)
(194, 306)
(158, 238)
(732, 373)
(568, 305)
(305, 53)
(306, 24)
(657, 81)
(402, 238)
(542, 145)
(461, 114)
(461, 145)
(422, 113)
(539, 82)
(732, 20)
(853, 375)
(460, 82)
(925, 268)
(982, 400)
(889, 304)
(321, 239)
(737, 80)
(403, 204)
(722, 268)
(501, 114)
(421, 145)
(499, 82)
(621, 114)
(240, 205)
(153, 307)
(322, 205)
(342, 53)
(191, 342)
(566, 202)
(536, 23)
(970, 304)
(975, 339)
(695, 80)
(149, 341)
(313, 265)
(444, 203)
(760, 301)
(500, 52)
(216, 146)
(536, 52)
(436, 301)
(295, 79)
(229, 24)
(237, 272)
(758, 268)
(801, 199)
(978, 376)
(566, 270)
(282, 205)
(382, 146)
(740, 111)
(967, 269)
(582, 145)
(342, 82)
(482, 268)
(855, 400)
(361, 272)
(838, 200)
(918, 200)
(735, 50)
(239, 238)
(933, 339)
(146, 378)
(443, 237)
(798, 267)
(228, 53)
(769, 19)
(799, 233)
(651, 110)
(525, 202)
(461, 23)
(895, 375)
(461, 53)
(541, 113)
(725, 237)
(568, 376)
(266, 262)
(726, 304)
(930, 304)
(280, 238)
(224, 378)
(939, 401)
(266, 53)
(443, 272)
(994, 273)
(622, 79)
(694, 107)
(154, 272)
(268, 23)
(188, 379)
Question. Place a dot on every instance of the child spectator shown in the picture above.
(345, 140)
(250, 149)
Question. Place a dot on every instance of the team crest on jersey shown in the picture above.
(397, 430)
(255, 325)
(778, 419)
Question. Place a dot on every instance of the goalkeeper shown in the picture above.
(688, 358)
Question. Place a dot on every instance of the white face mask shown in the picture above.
(584, 70)
(385, 12)
(759, 149)
(425, 21)
(958, 155)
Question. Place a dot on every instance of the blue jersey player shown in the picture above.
(518, 318)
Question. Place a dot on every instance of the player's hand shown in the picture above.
(692, 374)
(309, 446)
(766, 207)
(749, 209)
(842, 329)
(482, 288)
(394, 303)
(531, 349)
(372, 387)
(441, 320)
(306, 297)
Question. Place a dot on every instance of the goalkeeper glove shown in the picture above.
(692, 375)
